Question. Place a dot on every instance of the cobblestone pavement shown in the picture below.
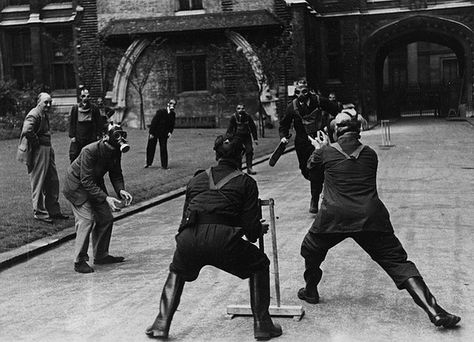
(425, 180)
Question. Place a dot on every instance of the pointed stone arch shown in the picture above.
(266, 98)
(444, 31)
(122, 75)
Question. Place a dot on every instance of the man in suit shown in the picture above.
(36, 151)
(161, 128)
(92, 206)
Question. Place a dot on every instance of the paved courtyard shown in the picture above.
(426, 181)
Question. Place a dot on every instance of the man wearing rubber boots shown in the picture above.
(221, 207)
(351, 208)
(305, 112)
(84, 187)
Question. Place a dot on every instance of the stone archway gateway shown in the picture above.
(443, 31)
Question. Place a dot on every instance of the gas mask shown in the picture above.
(117, 138)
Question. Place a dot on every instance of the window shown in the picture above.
(333, 53)
(187, 5)
(192, 73)
(22, 65)
(62, 59)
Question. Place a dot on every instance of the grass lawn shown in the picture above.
(188, 150)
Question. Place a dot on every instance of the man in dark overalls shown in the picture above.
(221, 207)
(242, 126)
(351, 208)
(85, 125)
(305, 112)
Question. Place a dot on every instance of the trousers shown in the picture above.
(96, 220)
(304, 149)
(44, 183)
(217, 245)
(384, 248)
(151, 148)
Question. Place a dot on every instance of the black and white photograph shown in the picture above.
(236, 170)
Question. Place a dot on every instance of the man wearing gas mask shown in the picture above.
(351, 208)
(242, 126)
(161, 128)
(305, 113)
(221, 206)
(92, 206)
(85, 124)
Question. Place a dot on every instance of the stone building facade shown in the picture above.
(37, 46)
(209, 54)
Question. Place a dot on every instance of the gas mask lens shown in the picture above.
(119, 137)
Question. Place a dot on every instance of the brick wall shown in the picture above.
(89, 67)
(126, 9)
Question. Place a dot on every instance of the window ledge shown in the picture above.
(190, 12)
(191, 93)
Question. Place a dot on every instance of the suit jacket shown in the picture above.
(35, 129)
(162, 123)
(84, 179)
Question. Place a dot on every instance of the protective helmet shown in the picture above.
(116, 137)
(229, 147)
(347, 121)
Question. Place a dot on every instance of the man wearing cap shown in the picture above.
(161, 128)
(85, 124)
(221, 206)
(242, 126)
(36, 151)
(84, 187)
(351, 208)
(305, 113)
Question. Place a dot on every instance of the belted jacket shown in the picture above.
(350, 200)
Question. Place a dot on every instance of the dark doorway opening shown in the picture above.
(419, 74)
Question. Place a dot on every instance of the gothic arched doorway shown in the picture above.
(402, 33)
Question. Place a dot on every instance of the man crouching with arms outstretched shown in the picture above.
(84, 187)
(221, 206)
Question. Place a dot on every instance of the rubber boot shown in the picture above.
(248, 160)
(422, 296)
(170, 297)
(313, 206)
(310, 293)
(263, 327)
